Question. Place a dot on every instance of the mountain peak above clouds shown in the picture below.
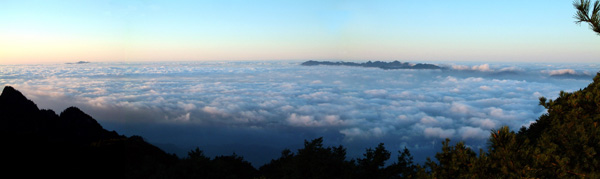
(40, 137)
(11, 100)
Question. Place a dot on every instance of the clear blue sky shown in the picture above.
(49, 31)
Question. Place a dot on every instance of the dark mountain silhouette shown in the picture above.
(20, 116)
(572, 76)
(73, 144)
(377, 64)
(70, 144)
(79, 62)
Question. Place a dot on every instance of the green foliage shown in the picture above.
(454, 161)
(563, 143)
(508, 155)
(583, 14)
(569, 139)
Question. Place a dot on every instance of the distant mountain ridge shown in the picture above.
(377, 64)
(79, 62)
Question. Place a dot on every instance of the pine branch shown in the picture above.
(583, 14)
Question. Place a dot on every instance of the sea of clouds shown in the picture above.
(257, 109)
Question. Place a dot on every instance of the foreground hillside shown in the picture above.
(73, 144)
(562, 143)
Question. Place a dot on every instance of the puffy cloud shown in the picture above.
(187, 107)
(185, 117)
(435, 121)
(352, 106)
(561, 72)
(320, 96)
(483, 123)
(355, 132)
(460, 67)
(316, 82)
(481, 68)
(451, 79)
(459, 108)
(376, 92)
(468, 132)
(359, 133)
(484, 68)
(438, 132)
(214, 111)
(304, 121)
(310, 121)
(496, 112)
(484, 87)
(511, 69)
(333, 120)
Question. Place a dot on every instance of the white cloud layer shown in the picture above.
(286, 102)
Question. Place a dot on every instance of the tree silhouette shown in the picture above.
(508, 155)
(454, 161)
(583, 14)
(312, 161)
(372, 165)
(404, 168)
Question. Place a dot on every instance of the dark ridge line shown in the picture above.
(377, 64)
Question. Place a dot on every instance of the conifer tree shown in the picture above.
(583, 14)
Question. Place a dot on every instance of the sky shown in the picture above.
(49, 31)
